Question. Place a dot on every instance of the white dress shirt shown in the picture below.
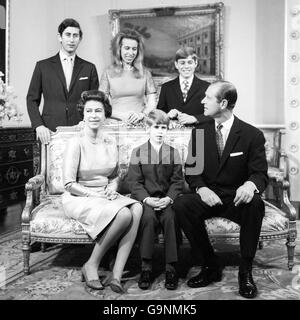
(189, 80)
(67, 63)
(226, 128)
(225, 133)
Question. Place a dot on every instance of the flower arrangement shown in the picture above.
(8, 106)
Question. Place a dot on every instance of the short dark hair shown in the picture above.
(185, 52)
(69, 22)
(157, 116)
(94, 95)
(227, 91)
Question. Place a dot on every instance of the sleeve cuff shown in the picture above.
(144, 201)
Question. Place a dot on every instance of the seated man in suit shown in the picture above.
(60, 79)
(181, 97)
(228, 184)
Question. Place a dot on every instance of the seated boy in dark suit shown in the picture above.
(156, 178)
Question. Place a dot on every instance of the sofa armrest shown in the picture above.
(283, 163)
(280, 189)
(33, 191)
(288, 207)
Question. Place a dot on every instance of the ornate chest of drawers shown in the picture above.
(19, 160)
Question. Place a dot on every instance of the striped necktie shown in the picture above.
(219, 140)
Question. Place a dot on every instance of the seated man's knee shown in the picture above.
(179, 204)
(257, 202)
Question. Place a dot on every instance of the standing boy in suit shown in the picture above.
(61, 80)
(181, 97)
(230, 185)
(156, 177)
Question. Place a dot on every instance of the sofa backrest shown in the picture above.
(127, 139)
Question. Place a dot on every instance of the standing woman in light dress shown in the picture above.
(127, 82)
(91, 181)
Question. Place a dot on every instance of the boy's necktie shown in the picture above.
(185, 89)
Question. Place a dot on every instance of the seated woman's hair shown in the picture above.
(116, 52)
(94, 95)
(185, 52)
(157, 116)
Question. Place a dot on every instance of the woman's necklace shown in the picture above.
(127, 67)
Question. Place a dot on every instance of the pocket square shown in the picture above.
(83, 78)
(235, 154)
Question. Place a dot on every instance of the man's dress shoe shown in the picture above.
(205, 277)
(247, 286)
(145, 280)
(171, 282)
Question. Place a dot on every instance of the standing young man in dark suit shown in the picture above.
(61, 80)
(230, 185)
(181, 98)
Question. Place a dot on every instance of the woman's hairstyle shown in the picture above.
(227, 91)
(157, 116)
(185, 52)
(94, 95)
(69, 22)
(116, 44)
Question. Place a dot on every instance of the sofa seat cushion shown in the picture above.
(49, 219)
(274, 220)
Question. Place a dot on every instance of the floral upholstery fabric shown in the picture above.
(49, 218)
(127, 140)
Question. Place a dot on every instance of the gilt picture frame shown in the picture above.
(4, 38)
(166, 29)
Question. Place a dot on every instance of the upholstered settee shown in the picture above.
(43, 218)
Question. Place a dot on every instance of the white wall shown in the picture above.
(254, 42)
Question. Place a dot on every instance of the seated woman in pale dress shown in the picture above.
(90, 180)
(127, 82)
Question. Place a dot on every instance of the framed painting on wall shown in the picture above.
(4, 37)
(166, 29)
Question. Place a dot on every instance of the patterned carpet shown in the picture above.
(55, 274)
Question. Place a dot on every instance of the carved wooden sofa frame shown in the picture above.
(43, 219)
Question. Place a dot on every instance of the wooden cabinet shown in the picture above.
(19, 161)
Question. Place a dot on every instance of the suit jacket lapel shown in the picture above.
(177, 90)
(231, 141)
(60, 73)
(76, 69)
(210, 145)
(193, 89)
(165, 154)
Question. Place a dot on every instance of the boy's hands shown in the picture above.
(152, 202)
(158, 203)
(163, 203)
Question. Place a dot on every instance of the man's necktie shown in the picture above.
(68, 71)
(185, 89)
(219, 140)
